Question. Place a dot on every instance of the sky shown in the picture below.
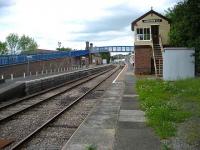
(72, 22)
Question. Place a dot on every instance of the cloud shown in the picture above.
(5, 7)
(118, 18)
(109, 23)
(115, 24)
(100, 36)
(6, 3)
(73, 21)
(103, 36)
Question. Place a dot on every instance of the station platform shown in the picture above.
(9, 82)
(20, 86)
(116, 122)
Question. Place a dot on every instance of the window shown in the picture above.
(143, 34)
(140, 33)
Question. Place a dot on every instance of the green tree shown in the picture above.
(106, 55)
(12, 42)
(64, 49)
(185, 26)
(59, 44)
(3, 48)
(27, 45)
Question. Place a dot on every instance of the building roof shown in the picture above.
(45, 51)
(146, 14)
(39, 51)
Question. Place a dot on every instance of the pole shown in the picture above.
(28, 68)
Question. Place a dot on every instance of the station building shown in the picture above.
(151, 35)
(94, 58)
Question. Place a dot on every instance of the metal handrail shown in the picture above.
(160, 43)
(162, 50)
(154, 59)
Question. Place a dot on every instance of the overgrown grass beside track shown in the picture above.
(168, 103)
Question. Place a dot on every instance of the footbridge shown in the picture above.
(112, 49)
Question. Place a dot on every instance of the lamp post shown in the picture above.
(28, 58)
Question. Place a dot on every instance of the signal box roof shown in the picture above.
(146, 14)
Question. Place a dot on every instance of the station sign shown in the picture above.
(152, 20)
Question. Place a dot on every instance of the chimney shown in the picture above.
(87, 45)
(91, 46)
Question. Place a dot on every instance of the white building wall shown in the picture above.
(178, 63)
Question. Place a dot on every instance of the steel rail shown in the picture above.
(60, 113)
(48, 98)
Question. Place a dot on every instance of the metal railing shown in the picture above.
(154, 59)
(160, 42)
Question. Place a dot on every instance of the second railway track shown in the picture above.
(39, 117)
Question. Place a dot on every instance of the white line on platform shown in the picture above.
(119, 74)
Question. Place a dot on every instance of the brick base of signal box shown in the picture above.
(143, 61)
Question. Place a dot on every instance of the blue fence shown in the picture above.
(19, 59)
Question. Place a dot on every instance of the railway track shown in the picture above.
(10, 110)
(5, 104)
(46, 109)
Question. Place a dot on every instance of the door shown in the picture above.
(155, 34)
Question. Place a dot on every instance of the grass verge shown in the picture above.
(91, 147)
(168, 103)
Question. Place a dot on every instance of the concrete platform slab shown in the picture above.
(131, 125)
(102, 138)
(131, 116)
(130, 95)
(109, 101)
(106, 110)
(136, 139)
(130, 105)
(129, 90)
(131, 113)
(101, 121)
